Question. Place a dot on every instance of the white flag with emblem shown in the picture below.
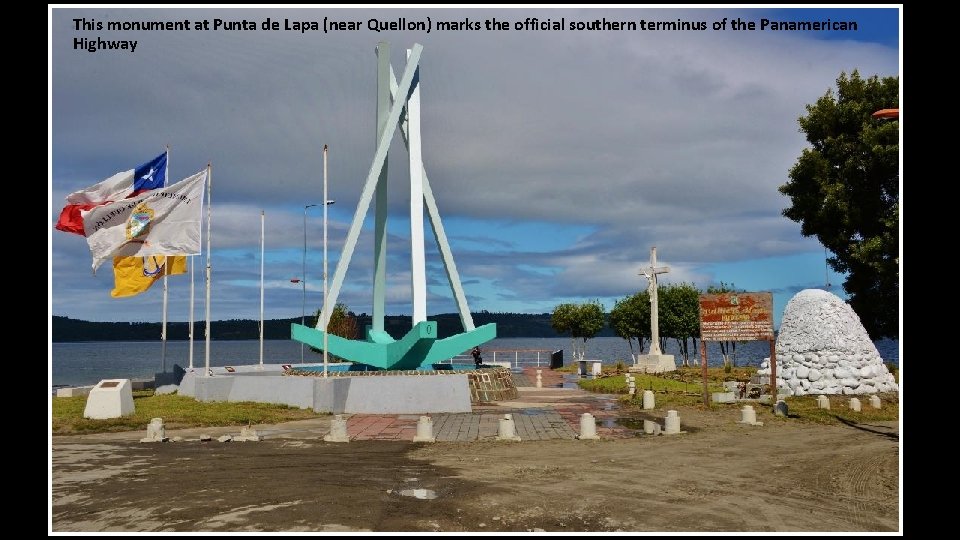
(160, 222)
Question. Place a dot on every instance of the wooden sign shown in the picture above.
(736, 316)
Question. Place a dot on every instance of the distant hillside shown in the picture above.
(66, 329)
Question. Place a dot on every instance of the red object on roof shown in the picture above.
(295, 280)
(887, 113)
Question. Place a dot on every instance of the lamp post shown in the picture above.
(303, 278)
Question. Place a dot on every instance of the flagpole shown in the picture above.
(190, 329)
(163, 327)
(326, 322)
(166, 270)
(261, 285)
(209, 196)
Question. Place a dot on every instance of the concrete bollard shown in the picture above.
(671, 424)
(780, 408)
(855, 404)
(588, 427)
(539, 378)
(823, 402)
(507, 429)
(651, 428)
(875, 402)
(424, 430)
(155, 431)
(338, 430)
(631, 384)
(749, 416)
(648, 401)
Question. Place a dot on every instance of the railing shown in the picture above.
(516, 358)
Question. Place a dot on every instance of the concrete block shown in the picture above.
(424, 430)
(823, 402)
(749, 416)
(110, 398)
(648, 400)
(155, 431)
(74, 391)
(723, 397)
(855, 404)
(651, 428)
(654, 363)
(875, 402)
(588, 427)
(166, 389)
(507, 429)
(338, 430)
(671, 424)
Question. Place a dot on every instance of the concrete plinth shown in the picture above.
(507, 430)
(654, 363)
(588, 427)
(671, 424)
(424, 430)
(338, 430)
(749, 416)
(648, 400)
(110, 398)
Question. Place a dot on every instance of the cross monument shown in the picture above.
(654, 361)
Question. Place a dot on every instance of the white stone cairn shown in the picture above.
(875, 402)
(823, 402)
(822, 348)
(155, 431)
(424, 430)
(749, 416)
(338, 430)
(648, 401)
(507, 430)
(588, 427)
(671, 424)
(855, 405)
(539, 378)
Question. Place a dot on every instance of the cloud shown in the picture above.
(673, 139)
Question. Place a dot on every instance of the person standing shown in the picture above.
(476, 356)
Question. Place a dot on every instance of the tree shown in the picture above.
(581, 321)
(630, 319)
(679, 316)
(845, 191)
(343, 323)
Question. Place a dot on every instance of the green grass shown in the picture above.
(805, 408)
(176, 411)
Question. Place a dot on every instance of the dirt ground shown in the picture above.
(719, 476)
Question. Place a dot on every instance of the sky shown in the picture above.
(557, 157)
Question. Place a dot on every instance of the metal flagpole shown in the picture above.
(261, 286)
(209, 196)
(326, 321)
(166, 270)
(190, 329)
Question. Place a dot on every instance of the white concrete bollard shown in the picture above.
(338, 430)
(823, 402)
(155, 431)
(648, 401)
(588, 427)
(539, 378)
(424, 430)
(780, 408)
(671, 424)
(507, 429)
(875, 402)
(749, 416)
(648, 426)
(855, 404)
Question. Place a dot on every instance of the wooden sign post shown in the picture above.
(737, 317)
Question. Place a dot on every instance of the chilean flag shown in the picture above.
(123, 185)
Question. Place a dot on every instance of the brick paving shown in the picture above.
(539, 414)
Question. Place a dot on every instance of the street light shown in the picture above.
(303, 278)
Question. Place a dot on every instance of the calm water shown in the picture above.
(88, 363)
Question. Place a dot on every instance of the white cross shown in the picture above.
(651, 275)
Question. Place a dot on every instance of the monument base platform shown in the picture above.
(654, 363)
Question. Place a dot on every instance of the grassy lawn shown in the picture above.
(176, 411)
(805, 408)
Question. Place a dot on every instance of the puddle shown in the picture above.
(630, 423)
(419, 493)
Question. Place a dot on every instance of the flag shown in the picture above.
(133, 275)
(150, 175)
(160, 222)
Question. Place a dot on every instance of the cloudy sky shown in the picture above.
(557, 158)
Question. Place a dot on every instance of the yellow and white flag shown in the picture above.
(133, 275)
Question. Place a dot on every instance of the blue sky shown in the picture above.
(557, 158)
